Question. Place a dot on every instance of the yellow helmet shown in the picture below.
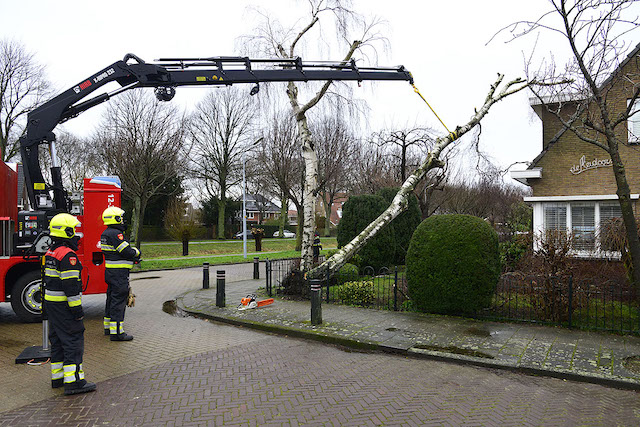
(113, 215)
(63, 225)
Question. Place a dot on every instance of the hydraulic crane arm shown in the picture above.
(165, 75)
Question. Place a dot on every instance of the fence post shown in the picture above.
(267, 275)
(316, 304)
(205, 275)
(395, 290)
(327, 283)
(220, 288)
(570, 298)
(256, 268)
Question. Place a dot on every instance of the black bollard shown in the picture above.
(316, 307)
(256, 268)
(205, 275)
(220, 288)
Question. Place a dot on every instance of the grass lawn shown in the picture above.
(165, 255)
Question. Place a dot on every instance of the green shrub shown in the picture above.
(511, 252)
(453, 264)
(331, 252)
(357, 213)
(356, 293)
(346, 273)
(404, 224)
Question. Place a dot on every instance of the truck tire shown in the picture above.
(26, 299)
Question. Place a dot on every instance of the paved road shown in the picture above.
(185, 371)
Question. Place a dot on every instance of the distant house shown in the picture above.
(293, 217)
(336, 207)
(259, 210)
(573, 185)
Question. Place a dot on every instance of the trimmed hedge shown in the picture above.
(357, 214)
(453, 264)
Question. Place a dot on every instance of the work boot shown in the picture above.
(57, 383)
(121, 337)
(107, 332)
(78, 387)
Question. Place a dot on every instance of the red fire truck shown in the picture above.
(20, 269)
(24, 232)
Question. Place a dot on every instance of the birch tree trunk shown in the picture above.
(310, 158)
(400, 201)
(310, 190)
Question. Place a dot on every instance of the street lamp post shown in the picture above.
(244, 203)
(244, 210)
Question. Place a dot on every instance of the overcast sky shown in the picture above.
(443, 44)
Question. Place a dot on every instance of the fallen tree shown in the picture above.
(497, 92)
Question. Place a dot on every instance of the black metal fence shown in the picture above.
(562, 301)
(565, 301)
(385, 289)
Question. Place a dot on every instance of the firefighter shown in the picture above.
(316, 248)
(63, 305)
(119, 257)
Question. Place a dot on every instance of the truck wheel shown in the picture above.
(26, 298)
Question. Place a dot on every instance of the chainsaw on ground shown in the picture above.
(250, 302)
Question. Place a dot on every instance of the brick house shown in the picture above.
(336, 207)
(259, 210)
(572, 181)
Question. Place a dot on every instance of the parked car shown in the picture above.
(238, 235)
(287, 234)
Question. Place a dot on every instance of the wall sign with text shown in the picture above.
(584, 165)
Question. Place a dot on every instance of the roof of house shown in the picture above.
(259, 203)
(537, 102)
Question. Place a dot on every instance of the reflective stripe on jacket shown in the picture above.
(118, 253)
(62, 277)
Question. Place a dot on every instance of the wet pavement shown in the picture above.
(596, 357)
(159, 337)
(194, 371)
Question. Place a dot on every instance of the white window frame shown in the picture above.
(539, 203)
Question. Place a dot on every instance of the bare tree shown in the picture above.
(593, 95)
(78, 158)
(336, 150)
(222, 130)
(272, 39)
(75, 167)
(497, 92)
(143, 141)
(281, 165)
(488, 197)
(22, 87)
(371, 170)
(401, 142)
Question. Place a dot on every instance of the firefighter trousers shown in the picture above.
(117, 292)
(66, 335)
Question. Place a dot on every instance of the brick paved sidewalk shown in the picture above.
(571, 354)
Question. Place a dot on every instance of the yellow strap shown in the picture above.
(452, 134)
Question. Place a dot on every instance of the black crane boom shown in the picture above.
(165, 75)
